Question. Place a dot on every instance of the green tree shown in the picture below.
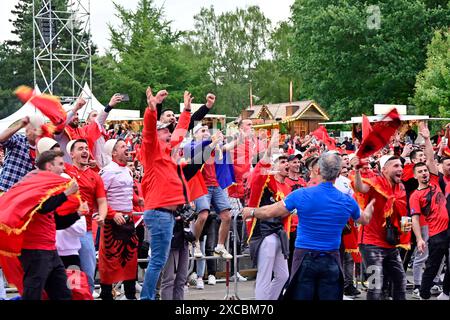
(146, 52)
(432, 95)
(350, 55)
(234, 43)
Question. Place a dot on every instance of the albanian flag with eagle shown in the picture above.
(380, 134)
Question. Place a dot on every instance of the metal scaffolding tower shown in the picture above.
(62, 47)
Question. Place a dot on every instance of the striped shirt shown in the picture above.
(18, 161)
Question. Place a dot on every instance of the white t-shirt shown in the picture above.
(343, 184)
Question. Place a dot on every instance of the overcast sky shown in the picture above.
(181, 12)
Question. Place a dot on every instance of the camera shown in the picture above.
(187, 213)
(188, 235)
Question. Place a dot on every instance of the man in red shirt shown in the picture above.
(93, 192)
(428, 201)
(43, 268)
(380, 252)
(164, 185)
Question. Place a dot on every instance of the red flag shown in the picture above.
(321, 134)
(380, 135)
(49, 105)
(20, 203)
(366, 127)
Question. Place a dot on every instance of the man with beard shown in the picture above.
(381, 238)
(93, 192)
(428, 203)
(294, 180)
(269, 244)
(168, 117)
(216, 195)
(163, 184)
(118, 242)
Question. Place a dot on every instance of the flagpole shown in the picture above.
(251, 95)
(290, 92)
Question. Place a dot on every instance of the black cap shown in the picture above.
(293, 156)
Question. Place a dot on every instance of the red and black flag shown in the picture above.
(380, 135)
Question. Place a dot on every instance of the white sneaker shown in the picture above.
(200, 284)
(96, 294)
(138, 287)
(239, 278)
(347, 298)
(221, 251)
(211, 280)
(435, 290)
(192, 280)
(197, 251)
(443, 296)
(415, 294)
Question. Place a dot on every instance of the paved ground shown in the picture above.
(245, 291)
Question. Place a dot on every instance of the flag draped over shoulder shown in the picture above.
(395, 206)
(321, 134)
(17, 208)
(380, 135)
(49, 105)
(23, 200)
(261, 180)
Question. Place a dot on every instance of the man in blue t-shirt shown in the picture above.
(323, 212)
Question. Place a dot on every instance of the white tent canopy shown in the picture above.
(26, 110)
(93, 104)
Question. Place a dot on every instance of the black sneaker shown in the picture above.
(351, 291)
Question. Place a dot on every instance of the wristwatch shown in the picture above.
(252, 213)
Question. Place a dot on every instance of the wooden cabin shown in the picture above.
(298, 118)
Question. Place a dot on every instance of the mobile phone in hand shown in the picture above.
(125, 97)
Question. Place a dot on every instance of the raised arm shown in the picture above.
(149, 134)
(8, 133)
(202, 111)
(183, 123)
(429, 152)
(360, 186)
(103, 115)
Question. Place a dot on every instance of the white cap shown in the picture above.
(109, 146)
(198, 127)
(384, 159)
(69, 146)
(45, 144)
(277, 155)
(36, 120)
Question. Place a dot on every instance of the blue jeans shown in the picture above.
(87, 258)
(319, 277)
(160, 226)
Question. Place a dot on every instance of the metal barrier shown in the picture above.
(228, 296)
(236, 257)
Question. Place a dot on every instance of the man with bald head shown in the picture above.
(381, 238)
